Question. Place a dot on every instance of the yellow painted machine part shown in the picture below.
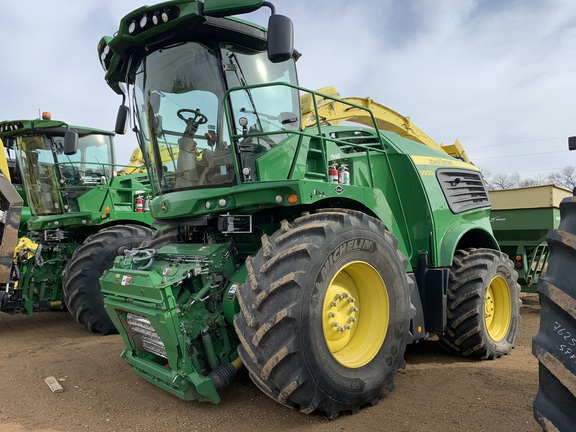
(4, 163)
(498, 308)
(237, 363)
(137, 163)
(25, 246)
(355, 314)
(333, 112)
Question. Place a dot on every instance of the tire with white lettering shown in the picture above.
(483, 305)
(325, 312)
(555, 344)
(81, 284)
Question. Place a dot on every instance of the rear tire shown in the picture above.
(555, 344)
(325, 313)
(483, 305)
(81, 284)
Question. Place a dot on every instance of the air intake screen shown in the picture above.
(464, 190)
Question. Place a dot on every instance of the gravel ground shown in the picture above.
(436, 391)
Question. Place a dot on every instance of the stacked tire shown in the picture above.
(555, 344)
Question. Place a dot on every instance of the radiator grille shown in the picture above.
(145, 335)
(463, 190)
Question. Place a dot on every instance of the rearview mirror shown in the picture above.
(121, 118)
(280, 38)
(70, 143)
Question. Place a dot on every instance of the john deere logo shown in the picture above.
(164, 206)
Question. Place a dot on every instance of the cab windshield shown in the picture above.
(179, 104)
(47, 170)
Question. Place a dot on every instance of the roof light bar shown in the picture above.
(152, 18)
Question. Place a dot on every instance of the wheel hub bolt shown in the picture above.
(338, 310)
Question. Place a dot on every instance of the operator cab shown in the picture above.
(210, 94)
(190, 98)
(46, 169)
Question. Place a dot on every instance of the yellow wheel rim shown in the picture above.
(497, 308)
(356, 314)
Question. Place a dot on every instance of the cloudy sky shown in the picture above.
(499, 75)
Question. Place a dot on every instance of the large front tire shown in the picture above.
(483, 305)
(81, 285)
(325, 313)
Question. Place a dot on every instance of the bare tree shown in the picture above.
(516, 179)
(538, 180)
(501, 181)
(486, 173)
(486, 176)
(566, 177)
(541, 179)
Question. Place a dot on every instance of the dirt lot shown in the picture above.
(436, 392)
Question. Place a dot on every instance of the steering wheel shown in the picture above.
(193, 121)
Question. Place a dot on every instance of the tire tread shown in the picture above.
(80, 281)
